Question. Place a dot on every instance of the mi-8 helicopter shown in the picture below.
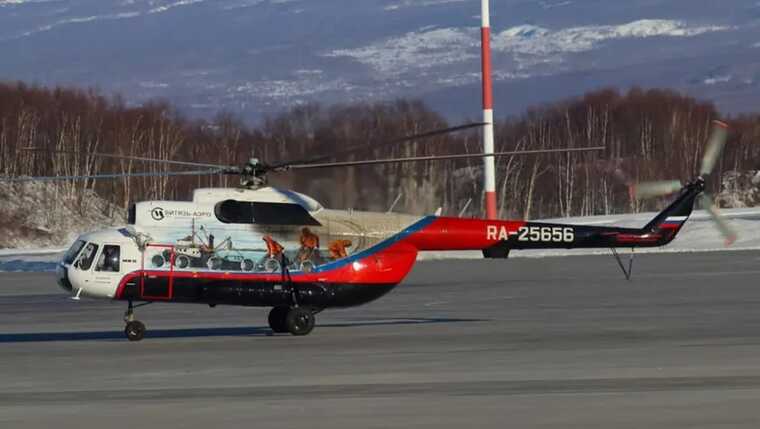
(260, 246)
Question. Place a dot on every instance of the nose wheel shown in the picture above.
(296, 320)
(134, 329)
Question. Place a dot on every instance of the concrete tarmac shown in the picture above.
(553, 342)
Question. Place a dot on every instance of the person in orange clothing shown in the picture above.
(274, 249)
(338, 248)
(309, 244)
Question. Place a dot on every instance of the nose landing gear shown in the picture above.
(134, 329)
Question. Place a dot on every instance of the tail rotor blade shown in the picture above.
(714, 147)
(656, 189)
(723, 226)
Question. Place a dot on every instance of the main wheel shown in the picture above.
(277, 318)
(300, 321)
(135, 330)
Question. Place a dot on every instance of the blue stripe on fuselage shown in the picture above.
(411, 229)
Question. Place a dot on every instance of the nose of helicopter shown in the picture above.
(93, 273)
(62, 276)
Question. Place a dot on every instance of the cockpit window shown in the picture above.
(109, 259)
(73, 251)
(86, 257)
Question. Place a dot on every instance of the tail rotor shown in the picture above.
(712, 153)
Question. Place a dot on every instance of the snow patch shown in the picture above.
(20, 2)
(717, 79)
(532, 40)
(419, 3)
(37, 215)
(546, 5)
(529, 44)
(166, 7)
(416, 50)
(105, 17)
(153, 85)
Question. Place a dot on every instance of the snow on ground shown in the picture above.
(37, 260)
(698, 235)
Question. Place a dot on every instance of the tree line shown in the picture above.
(647, 134)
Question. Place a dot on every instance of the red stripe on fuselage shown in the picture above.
(447, 233)
(387, 266)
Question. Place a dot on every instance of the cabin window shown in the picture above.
(109, 259)
(73, 251)
(86, 257)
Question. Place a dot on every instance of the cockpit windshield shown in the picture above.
(73, 251)
(84, 262)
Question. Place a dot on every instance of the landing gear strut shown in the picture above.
(134, 330)
(296, 320)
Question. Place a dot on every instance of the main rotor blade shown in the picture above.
(363, 146)
(656, 189)
(436, 158)
(111, 176)
(133, 158)
(724, 227)
(714, 147)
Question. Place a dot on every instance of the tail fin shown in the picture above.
(673, 217)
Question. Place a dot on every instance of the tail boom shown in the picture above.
(497, 237)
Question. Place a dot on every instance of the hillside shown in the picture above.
(259, 57)
(37, 215)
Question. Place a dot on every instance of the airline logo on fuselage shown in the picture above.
(159, 214)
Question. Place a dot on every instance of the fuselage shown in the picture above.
(216, 249)
(186, 252)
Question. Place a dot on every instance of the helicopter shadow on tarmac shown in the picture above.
(243, 331)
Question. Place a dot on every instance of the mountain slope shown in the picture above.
(260, 56)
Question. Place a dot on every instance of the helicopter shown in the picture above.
(272, 252)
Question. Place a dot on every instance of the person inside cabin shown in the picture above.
(274, 249)
(309, 245)
(338, 248)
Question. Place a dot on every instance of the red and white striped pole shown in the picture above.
(489, 168)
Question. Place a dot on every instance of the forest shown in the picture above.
(647, 134)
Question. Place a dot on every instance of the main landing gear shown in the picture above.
(296, 320)
(135, 329)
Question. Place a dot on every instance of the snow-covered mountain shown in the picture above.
(260, 56)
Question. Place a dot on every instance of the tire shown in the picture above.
(157, 261)
(135, 330)
(247, 265)
(272, 265)
(300, 321)
(277, 319)
(182, 261)
(214, 263)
